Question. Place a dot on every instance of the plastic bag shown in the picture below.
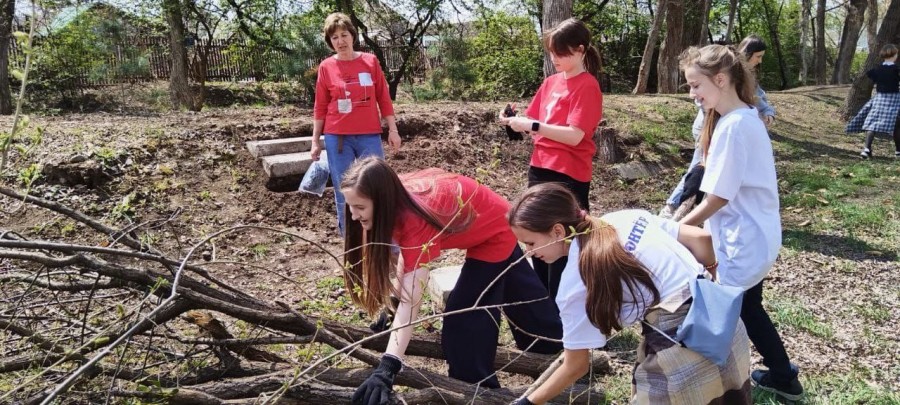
(316, 178)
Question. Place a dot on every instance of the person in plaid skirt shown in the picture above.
(880, 114)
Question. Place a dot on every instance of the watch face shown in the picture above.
(535, 125)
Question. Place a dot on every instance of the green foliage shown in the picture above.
(505, 56)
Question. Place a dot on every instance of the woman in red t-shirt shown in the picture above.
(397, 224)
(562, 119)
(350, 93)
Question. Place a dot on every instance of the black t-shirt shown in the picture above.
(886, 78)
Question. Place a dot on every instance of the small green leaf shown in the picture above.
(18, 74)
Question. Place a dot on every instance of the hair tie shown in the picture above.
(584, 214)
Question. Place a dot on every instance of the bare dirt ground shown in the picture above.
(834, 291)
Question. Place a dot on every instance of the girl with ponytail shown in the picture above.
(741, 209)
(562, 118)
(627, 266)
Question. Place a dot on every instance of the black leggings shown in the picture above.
(469, 339)
(550, 275)
(764, 336)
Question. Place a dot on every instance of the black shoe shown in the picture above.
(791, 391)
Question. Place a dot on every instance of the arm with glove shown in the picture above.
(376, 389)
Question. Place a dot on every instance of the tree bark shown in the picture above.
(732, 9)
(704, 21)
(179, 88)
(553, 13)
(649, 48)
(667, 72)
(820, 42)
(871, 23)
(853, 24)
(861, 90)
(7, 9)
(804, 39)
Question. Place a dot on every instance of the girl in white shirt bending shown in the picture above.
(624, 267)
(741, 209)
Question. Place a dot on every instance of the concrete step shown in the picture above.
(288, 164)
(281, 146)
(441, 283)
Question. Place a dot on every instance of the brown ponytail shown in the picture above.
(604, 264)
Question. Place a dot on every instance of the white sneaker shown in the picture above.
(866, 153)
(667, 212)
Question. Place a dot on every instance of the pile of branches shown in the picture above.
(121, 320)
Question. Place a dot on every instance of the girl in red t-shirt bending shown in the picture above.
(396, 225)
(562, 119)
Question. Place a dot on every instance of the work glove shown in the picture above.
(523, 401)
(376, 390)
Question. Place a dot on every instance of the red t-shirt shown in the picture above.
(575, 102)
(488, 237)
(362, 82)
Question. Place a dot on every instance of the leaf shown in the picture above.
(18, 74)
(20, 36)
(804, 223)
(822, 200)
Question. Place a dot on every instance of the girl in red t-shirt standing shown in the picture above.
(562, 118)
(397, 225)
(350, 92)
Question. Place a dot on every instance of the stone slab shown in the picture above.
(441, 283)
(281, 146)
(289, 164)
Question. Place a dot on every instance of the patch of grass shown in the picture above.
(259, 250)
(838, 389)
(861, 216)
(793, 314)
(873, 311)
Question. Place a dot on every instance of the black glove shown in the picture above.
(523, 401)
(510, 133)
(376, 390)
(692, 184)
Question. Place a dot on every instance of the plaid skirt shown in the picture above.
(667, 373)
(878, 115)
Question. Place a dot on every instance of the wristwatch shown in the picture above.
(535, 126)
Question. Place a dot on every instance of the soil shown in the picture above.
(192, 171)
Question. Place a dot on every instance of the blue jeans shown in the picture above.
(354, 147)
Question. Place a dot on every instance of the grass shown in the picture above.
(838, 389)
(792, 314)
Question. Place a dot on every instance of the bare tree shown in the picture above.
(181, 94)
(649, 48)
(804, 40)
(861, 91)
(667, 72)
(732, 9)
(820, 42)
(7, 9)
(554, 12)
(704, 21)
(853, 24)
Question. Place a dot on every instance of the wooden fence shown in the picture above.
(147, 59)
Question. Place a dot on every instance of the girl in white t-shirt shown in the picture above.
(627, 266)
(741, 209)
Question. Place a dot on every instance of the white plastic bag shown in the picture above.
(316, 178)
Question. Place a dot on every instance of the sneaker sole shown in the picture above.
(789, 397)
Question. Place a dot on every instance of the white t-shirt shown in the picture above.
(654, 242)
(740, 168)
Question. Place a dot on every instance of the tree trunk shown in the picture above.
(729, 31)
(554, 12)
(856, 12)
(704, 21)
(691, 28)
(7, 9)
(871, 23)
(861, 90)
(649, 48)
(820, 42)
(776, 43)
(667, 67)
(804, 38)
(179, 88)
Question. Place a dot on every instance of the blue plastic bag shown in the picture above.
(711, 321)
(316, 178)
